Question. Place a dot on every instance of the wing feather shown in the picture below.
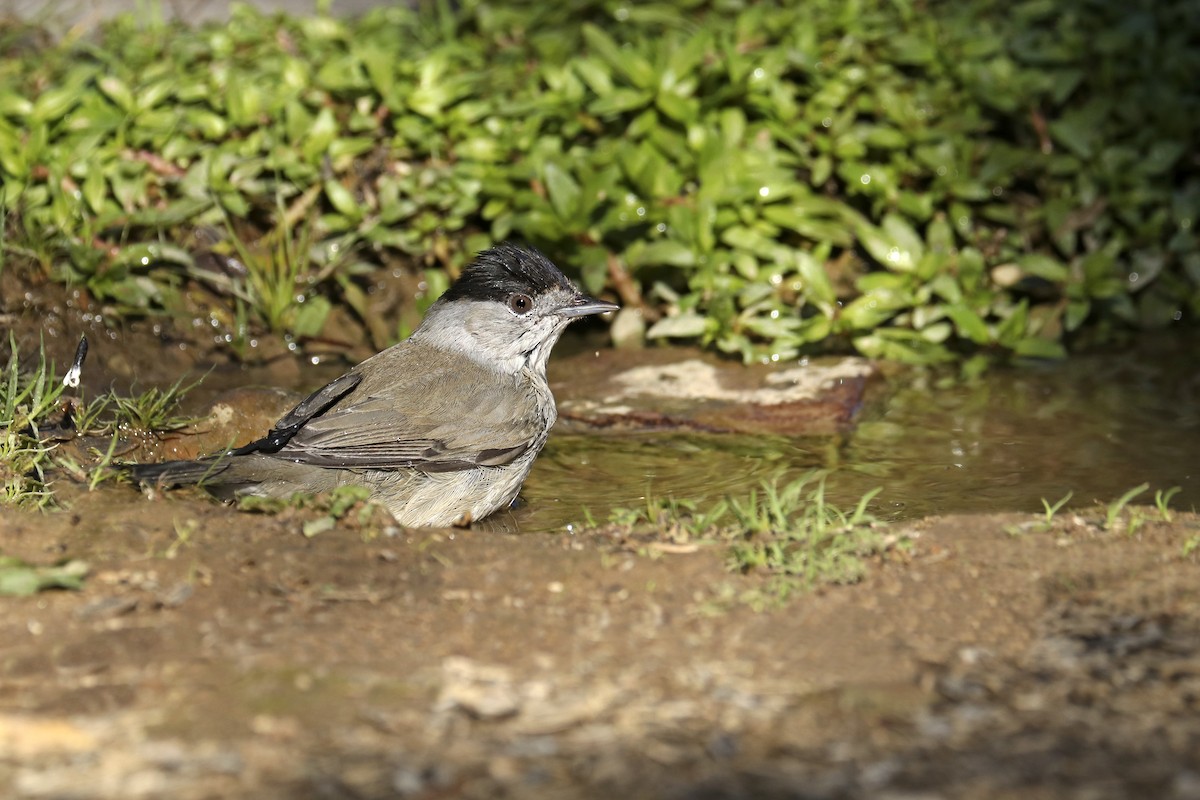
(442, 420)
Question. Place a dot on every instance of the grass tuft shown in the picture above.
(38, 415)
(787, 532)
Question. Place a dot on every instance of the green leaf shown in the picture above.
(311, 315)
(54, 103)
(1162, 156)
(1077, 132)
(342, 200)
(620, 101)
(1043, 266)
(687, 325)
(21, 579)
(118, 91)
(660, 251)
(811, 224)
(970, 325)
(625, 60)
(895, 245)
(815, 282)
(680, 109)
(14, 105)
(872, 309)
(564, 192)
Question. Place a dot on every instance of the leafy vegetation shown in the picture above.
(21, 578)
(1118, 514)
(38, 417)
(26, 402)
(918, 181)
(788, 532)
(346, 507)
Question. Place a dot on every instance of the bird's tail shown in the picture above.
(177, 473)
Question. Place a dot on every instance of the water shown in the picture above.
(1096, 426)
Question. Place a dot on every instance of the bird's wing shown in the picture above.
(439, 420)
(290, 423)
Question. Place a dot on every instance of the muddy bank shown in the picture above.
(213, 653)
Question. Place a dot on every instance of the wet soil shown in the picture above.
(218, 653)
(214, 653)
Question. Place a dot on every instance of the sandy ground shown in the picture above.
(214, 653)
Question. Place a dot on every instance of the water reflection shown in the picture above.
(1096, 425)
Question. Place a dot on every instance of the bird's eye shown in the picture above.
(520, 303)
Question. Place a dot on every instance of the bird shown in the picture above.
(441, 428)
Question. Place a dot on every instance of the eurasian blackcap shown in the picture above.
(443, 427)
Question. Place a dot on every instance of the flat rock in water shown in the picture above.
(690, 390)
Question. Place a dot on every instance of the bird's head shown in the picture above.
(507, 309)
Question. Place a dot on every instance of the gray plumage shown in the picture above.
(443, 427)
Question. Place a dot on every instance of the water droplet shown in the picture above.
(145, 261)
(764, 191)
(865, 179)
(1133, 277)
(661, 227)
(314, 360)
(827, 122)
(641, 211)
(759, 73)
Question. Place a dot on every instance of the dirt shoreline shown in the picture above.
(214, 653)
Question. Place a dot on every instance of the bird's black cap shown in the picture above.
(507, 269)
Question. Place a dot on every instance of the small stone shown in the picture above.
(176, 595)
(628, 329)
(107, 607)
(482, 690)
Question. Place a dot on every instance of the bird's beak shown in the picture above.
(582, 306)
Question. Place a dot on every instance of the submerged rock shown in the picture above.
(689, 390)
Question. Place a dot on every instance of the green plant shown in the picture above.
(916, 182)
(1162, 499)
(20, 578)
(26, 401)
(1051, 510)
(787, 530)
(34, 398)
(349, 504)
(1192, 545)
(154, 409)
(1113, 510)
(792, 530)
